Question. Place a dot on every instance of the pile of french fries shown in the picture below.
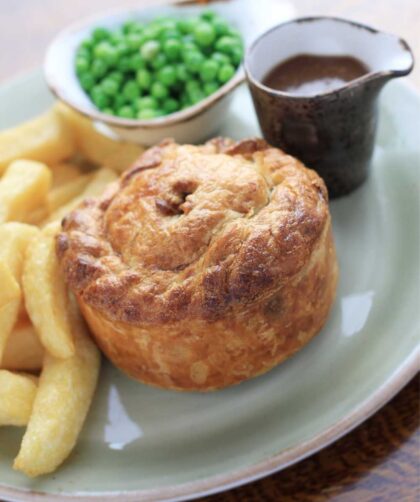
(48, 364)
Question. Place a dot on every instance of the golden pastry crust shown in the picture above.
(204, 265)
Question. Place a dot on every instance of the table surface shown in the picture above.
(378, 461)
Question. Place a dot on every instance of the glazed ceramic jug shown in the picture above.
(332, 132)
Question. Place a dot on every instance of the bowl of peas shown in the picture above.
(151, 73)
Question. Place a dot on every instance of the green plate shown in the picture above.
(140, 443)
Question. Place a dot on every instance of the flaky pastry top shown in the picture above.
(194, 232)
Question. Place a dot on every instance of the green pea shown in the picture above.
(99, 68)
(192, 85)
(124, 64)
(109, 86)
(144, 78)
(159, 91)
(82, 65)
(189, 47)
(182, 72)
(134, 41)
(122, 49)
(98, 96)
(147, 102)
(99, 34)
(126, 112)
(100, 49)
(86, 44)
(208, 15)
(169, 35)
(87, 81)
(137, 62)
(84, 53)
(146, 114)
(237, 55)
(167, 75)
(220, 58)
(204, 34)
(185, 100)
(116, 38)
(131, 90)
(225, 44)
(196, 96)
(170, 105)
(108, 111)
(150, 50)
(209, 70)
(159, 61)
(119, 101)
(167, 23)
(220, 26)
(226, 72)
(106, 52)
(117, 76)
(152, 32)
(172, 49)
(193, 61)
(210, 87)
(186, 25)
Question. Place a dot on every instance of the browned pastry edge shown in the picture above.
(203, 266)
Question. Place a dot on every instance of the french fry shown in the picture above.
(38, 215)
(46, 138)
(100, 180)
(17, 394)
(96, 147)
(10, 289)
(63, 173)
(14, 238)
(65, 192)
(46, 296)
(23, 351)
(8, 315)
(23, 188)
(64, 395)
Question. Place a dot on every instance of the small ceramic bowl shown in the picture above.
(193, 124)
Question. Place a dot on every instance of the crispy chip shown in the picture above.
(100, 180)
(23, 351)
(23, 189)
(17, 394)
(46, 296)
(14, 238)
(47, 139)
(65, 393)
(96, 147)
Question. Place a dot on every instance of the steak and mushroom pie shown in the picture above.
(203, 266)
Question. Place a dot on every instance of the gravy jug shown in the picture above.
(331, 131)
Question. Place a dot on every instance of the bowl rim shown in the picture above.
(118, 122)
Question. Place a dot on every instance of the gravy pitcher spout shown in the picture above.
(392, 56)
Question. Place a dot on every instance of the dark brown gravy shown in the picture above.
(307, 74)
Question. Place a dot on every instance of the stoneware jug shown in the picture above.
(332, 132)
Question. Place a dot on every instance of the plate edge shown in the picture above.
(222, 482)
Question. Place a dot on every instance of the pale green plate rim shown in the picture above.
(400, 377)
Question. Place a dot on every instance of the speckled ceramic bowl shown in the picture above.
(193, 124)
